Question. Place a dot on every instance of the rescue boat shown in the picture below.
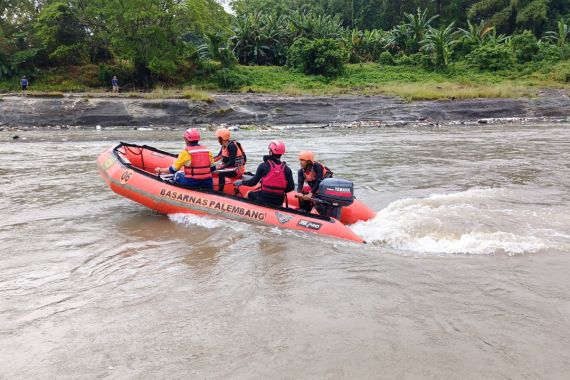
(128, 169)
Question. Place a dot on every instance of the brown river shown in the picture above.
(466, 274)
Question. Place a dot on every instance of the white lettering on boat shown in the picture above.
(213, 204)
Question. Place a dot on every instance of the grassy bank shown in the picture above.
(408, 82)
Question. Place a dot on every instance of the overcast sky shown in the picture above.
(226, 4)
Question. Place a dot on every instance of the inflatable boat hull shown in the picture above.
(127, 169)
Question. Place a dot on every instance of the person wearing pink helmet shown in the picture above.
(275, 176)
(196, 161)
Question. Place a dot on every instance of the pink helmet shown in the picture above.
(192, 134)
(277, 147)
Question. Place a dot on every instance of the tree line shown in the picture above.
(149, 41)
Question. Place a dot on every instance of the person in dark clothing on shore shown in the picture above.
(275, 176)
(115, 84)
(24, 85)
(312, 172)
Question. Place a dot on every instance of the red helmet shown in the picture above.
(277, 147)
(192, 134)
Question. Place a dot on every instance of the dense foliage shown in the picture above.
(173, 41)
(147, 40)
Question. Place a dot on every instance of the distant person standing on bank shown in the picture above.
(115, 84)
(24, 84)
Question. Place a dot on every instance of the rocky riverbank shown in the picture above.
(80, 110)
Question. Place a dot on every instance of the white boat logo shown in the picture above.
(283, 218)
(307, 224)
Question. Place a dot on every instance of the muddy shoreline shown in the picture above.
(78, 110)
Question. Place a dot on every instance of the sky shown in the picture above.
(226, 4)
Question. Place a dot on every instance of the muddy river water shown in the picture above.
(466, 274)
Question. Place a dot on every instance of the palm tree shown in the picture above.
(439, 43)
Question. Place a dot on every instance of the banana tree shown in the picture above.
(439, 44)
(419, 23)
(476, 33)
(560, 36)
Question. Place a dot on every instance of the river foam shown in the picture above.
(207, 222)
(476, 221)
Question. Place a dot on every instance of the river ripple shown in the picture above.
(465, 275)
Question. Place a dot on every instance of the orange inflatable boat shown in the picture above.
(128, 169)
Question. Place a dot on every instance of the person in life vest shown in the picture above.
(196, 161)
(232, 156)
(312, 172)
(276, 177)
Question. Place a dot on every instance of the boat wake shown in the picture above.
(191, 220)
(477, 221)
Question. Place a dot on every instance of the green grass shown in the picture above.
(45, 94)
(459, 81)
(408, 82)
(192, 93)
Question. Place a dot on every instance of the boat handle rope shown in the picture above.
(140, 153)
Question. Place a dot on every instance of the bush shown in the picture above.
(549, 52)
(491, 57)
(416, 58)
(525, 46)
(87, 75)
(425, 61)
(318, 57)
(405, 60)
(297, 54)
(386, 59)
(462, 48)
(227, 57)
(205, 67)
(229, 79)
(68, 54)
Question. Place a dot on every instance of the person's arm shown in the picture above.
(318, 177)
(183, 157)
(231, 162)
(261, 169)
(212, 162)
(290, 181)
(218, 156)
(300, 180)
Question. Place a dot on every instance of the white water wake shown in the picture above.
(191, 220)
(477, 221)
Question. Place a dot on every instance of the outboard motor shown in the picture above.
(333, 195)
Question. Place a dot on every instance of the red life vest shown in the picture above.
(311, 176)
(240, 156)
(274, 181)
(199, 166)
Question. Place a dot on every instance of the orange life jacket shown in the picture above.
(199, 166)
(240, 156)
(311, 176)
